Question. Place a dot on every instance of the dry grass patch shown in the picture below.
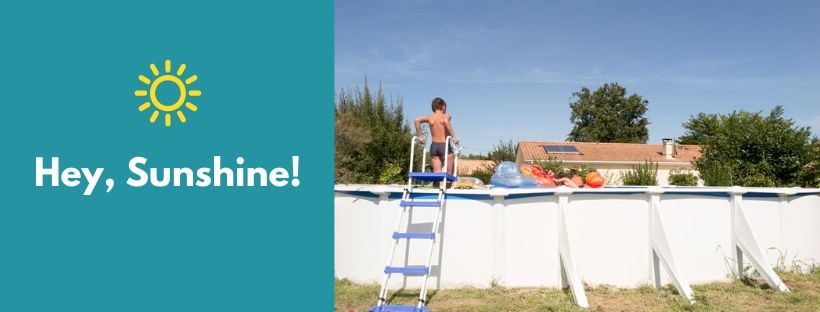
(747, 295)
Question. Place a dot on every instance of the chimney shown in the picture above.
(668, 149)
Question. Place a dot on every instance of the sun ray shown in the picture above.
(191, 79)
(145, 106)
(167, 66)
(191, 106)
(154, 70)
(154, 116)
(195, 92)
(144, 79)
(167, 120)
(140, 92)
(181, 70)
(181, 116)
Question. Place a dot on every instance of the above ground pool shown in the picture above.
(620, 236)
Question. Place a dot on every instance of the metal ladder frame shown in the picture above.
(441, 198)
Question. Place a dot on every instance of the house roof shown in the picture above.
(467, 166)
(607, 152)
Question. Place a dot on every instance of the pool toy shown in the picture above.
(468, 183)
(594, 180)
(544, 179)
(507, 175)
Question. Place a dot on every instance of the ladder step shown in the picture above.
(397, 308)
(397, 235)
(414, 270)
(431, 176)
(420, 203)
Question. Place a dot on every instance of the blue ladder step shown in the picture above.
(420, 203)
(397, 308)
(431, 176)
(397, 235)
(413, 270)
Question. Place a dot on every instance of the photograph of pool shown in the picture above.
(611, 156)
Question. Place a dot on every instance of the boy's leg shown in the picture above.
(436, 160)
(450, 164)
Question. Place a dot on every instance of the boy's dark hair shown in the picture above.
(438, 104)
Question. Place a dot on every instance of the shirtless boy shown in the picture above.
(440, 128)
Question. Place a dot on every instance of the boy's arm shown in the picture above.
(450, 129)
(419, 133)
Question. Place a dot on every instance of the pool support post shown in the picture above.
(661, 249)
(499, 240)
(746, 246)
(569, 276)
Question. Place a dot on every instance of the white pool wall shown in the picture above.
(510, 236)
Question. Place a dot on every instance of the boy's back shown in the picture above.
(440, 128)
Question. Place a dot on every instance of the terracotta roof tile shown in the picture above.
(632, 152)
(467, 166)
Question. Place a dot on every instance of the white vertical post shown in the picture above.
(746, 245)
(565, 249)
(499, 240)
(384, 196)
(783, 197)
(661, 249)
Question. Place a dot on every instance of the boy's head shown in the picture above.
(439, 104)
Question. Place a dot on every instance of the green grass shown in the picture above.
(748, 295)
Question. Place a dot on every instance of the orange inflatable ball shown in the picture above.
(595, 181)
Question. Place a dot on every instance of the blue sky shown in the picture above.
(507, 69)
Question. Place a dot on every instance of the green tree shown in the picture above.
(608, 115)
(503, 151)
(751, 149)
(700, 127)
(812, 170)
(371, 138)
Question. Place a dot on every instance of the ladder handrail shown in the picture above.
(412, 157)
(442, 197)
(456, 150)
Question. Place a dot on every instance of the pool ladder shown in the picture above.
(408, 201)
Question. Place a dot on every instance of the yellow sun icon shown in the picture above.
(176, 79)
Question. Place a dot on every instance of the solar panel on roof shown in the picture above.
(553, 148)
(561, 149)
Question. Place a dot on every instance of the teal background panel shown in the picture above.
(67, 89)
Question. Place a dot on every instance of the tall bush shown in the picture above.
(551, 164)
(371, 138)
(680, 178)
(752, 149)
(642, 174)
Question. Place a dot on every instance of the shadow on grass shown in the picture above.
(755, 283)
(404, 293)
